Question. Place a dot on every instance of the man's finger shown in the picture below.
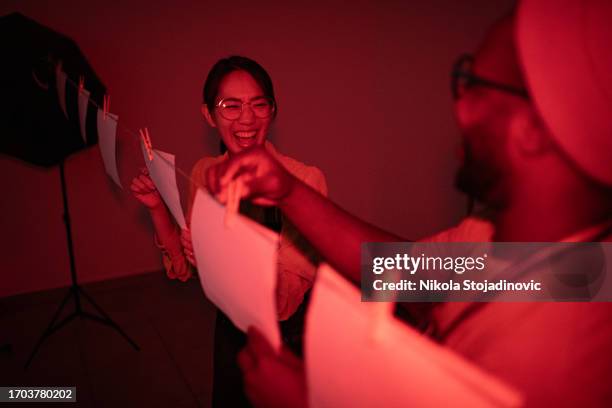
(253, 185)
(239, 164)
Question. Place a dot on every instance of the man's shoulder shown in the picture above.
(551, 340)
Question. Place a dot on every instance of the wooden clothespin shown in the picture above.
(81, 83)
(106, 105)
(146, 141)
(234, 191)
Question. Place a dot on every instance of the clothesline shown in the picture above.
(130, 132)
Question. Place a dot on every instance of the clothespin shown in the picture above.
(106, 105)
(234, 190)
(146, 141)
(81, 83)
(381, 311)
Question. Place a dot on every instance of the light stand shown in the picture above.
(75, 292)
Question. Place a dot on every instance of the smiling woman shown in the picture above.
(239, 102)
(232, 109)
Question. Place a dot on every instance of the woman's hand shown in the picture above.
(188, 246)
(145, 191)
(263, 179)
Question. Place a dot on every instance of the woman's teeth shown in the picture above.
(245, 135)
(245, 139)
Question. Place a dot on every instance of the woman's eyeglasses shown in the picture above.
(462, 78)
(231, 108)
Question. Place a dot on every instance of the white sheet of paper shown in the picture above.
(346, 366)
(60, 80)
(237, 266)
(83, 105)
(107, 135)
(163, 173)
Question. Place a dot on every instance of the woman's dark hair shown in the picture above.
(235, 63)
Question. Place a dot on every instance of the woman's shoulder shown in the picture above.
(311, 175)
(199, 169)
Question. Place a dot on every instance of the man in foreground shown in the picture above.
(534, 106)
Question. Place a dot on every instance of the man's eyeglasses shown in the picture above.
(231, 108)
(462, 78)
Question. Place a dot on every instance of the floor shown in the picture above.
(172, 322)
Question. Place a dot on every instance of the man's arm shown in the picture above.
(336, 234)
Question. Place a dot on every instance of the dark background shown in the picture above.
(363, 92)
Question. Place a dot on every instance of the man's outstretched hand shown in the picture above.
(264, 180)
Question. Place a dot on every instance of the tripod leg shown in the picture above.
(93, 303)
(47, 334)
(112, 324)
(51, 328)
(105, 319)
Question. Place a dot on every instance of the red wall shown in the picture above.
(363, 92)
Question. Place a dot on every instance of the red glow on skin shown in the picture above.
(248, 130)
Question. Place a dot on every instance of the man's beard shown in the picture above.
(478, 177)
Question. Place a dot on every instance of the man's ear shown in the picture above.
(208, 116)
(529, 133)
